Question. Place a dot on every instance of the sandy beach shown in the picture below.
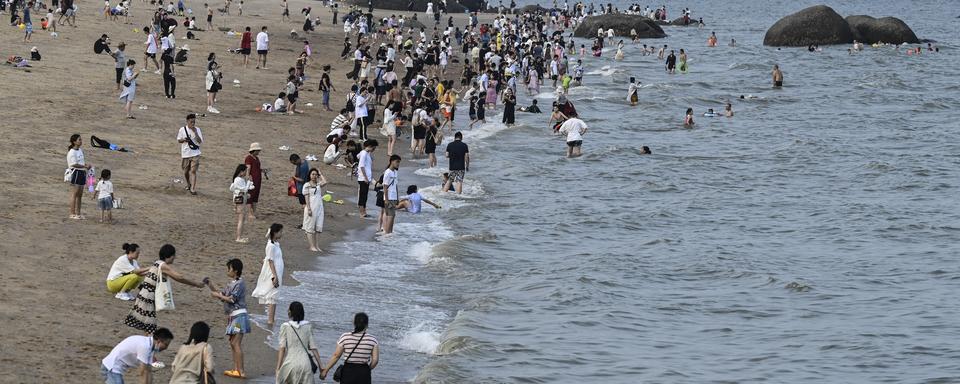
(59, 320)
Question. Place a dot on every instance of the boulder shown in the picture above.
(621, 24)
(678, 22)
(531, 9)
(415, 24)
(419, 5)
(869, 30)
(818, 24)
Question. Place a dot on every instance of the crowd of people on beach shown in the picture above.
(401, 85)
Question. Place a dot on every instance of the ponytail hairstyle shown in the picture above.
(274, 228)
(167, 251)
(199, 333)
(73, 138)
(360, 321)
(129, 248)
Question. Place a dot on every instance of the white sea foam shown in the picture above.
(420, 340)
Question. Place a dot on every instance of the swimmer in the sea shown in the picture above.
(728, 110)
(660, 53)
(777, 76)
(533, 108)
(671, 62)
(645, 150)
(633, 92)
(688, 119)
(733, 42)
(709, 113)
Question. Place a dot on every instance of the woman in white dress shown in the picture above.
(271, 275)
(313, 209)
(129, 87)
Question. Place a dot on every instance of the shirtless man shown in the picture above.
(777, 76)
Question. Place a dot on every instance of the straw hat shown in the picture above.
(255, 147)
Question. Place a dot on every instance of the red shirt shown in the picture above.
(245, 41)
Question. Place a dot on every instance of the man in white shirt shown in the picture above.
(360, 111)
(574, 128)
(365, 174)
(263, 45)
(391, 194)
(190, 138)
(134, 351)
(151, 52)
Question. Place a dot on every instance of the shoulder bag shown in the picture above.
(338, 374)
(204, 374)
(313, 364)
(163, 293)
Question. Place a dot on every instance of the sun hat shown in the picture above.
(254, 147)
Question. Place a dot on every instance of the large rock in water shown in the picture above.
(869, 30)
(818, 24)
(621, 24)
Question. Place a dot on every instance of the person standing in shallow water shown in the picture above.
(777, 76)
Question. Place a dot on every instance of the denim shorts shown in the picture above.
(239, 324)
(105, 203)
(110, 377)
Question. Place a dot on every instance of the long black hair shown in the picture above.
(274, 228)
(129, 248)
(360, 321)
(73, 138)
(240, 168)
(296, 311)
(199, 333)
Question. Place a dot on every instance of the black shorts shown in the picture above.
(575, 143)
(777, 83)
(261, 51)
(292, 98)
(152, 55)
(430, 147)
(119, 75)
(419, 132)
(553, 77)
(209, 18)
(244, 51)
(78, 177)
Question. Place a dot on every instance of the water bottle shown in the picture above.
(91, 179)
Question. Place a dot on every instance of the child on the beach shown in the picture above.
(235, 306)
(104, 196)
(412, 202)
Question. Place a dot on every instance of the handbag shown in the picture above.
(118, 203)
(292, 187)
(238, 199)
(207, 376)
(67, 175)
(313, 364)
(163, 294)
(338, 374)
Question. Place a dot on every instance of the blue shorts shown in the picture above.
(105, 203)
(239, 324)
(110, 377)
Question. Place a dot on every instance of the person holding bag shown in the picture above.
(241, 191)
(194, 361)
(363, 356)
(143, 316)
(297, 356)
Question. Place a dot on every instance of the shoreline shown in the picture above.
(72, 91)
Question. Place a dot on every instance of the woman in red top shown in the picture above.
(253, 167)
(245, 51)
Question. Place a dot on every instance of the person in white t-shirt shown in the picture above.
(190, 138)
(104, 196)
(125, 273)
(360, 111)
(151, 52)
(574, 128)
(391, 195)
(365, 174)
(134, 352)
(263, 45)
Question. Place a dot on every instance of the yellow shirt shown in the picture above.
(439, 91)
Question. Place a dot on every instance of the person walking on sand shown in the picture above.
(459, 155)
(777, 76)
(245, 46)
(190, 138)
(271, 274)
(633, 92)
(235, 307)
(574, 128)
(134, 352)
(297, 352)
(194, 360)
(363, 353)
(125, 273)
(212, 82)
(263, 46)
(129, 87)
(313, 209)
(241, 188)
(257, 174)
(143, 315)
(150, 53)
(365, 174)
(76, 175)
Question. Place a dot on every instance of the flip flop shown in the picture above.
(234, 374)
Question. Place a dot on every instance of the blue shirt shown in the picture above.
(415, 202)
(303, 173)
(234, 290)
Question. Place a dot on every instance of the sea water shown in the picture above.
(814, 236)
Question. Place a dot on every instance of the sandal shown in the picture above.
(243, 240)
(234, 374)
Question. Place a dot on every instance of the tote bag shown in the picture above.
(164, 293)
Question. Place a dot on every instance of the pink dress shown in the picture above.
(491, 91)
(534, 82)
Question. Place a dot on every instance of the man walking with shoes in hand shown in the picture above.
(190, 139)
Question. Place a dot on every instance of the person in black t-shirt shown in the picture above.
(169, 79)
(459, 155)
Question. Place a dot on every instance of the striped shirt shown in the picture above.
(362, 355)
(338, 122)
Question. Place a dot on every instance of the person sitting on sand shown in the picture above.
(280, 104)
(412, 202)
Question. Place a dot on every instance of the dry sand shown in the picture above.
(58, 319)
